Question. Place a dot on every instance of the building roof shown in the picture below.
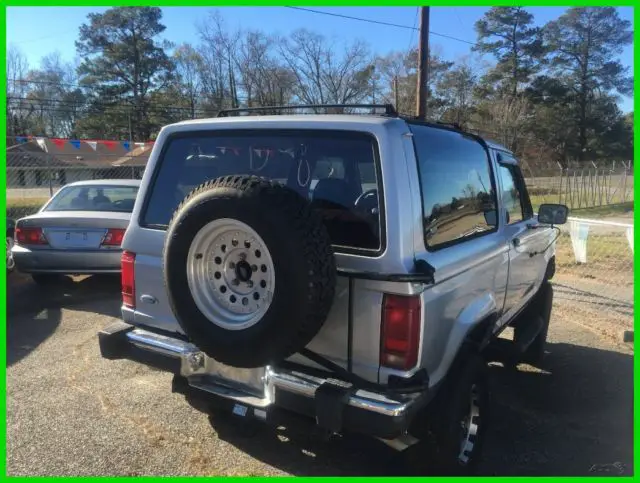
(137, 157)
(48, 153)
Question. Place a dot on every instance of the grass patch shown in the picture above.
(601, 211)
(19, 207)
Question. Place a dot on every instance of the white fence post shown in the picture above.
(630, 237)
(579, 234)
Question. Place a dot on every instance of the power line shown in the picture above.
(37, 39)
(388, 24)
(415, 21)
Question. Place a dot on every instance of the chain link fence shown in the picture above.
(594, 274)
(594, 277)
(580, 187)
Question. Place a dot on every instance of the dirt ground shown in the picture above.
(69, 412)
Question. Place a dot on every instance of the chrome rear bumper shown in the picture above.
(196, 363)
(365, 411)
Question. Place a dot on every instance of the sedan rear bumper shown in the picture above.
(84, 262)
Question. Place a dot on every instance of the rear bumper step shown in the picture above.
(355, 409)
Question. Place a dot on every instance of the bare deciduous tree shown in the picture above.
(189, 64)
(18, 110)
(323, 75)
(266, 81)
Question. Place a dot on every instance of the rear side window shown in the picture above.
(458, 193)
(333, 169)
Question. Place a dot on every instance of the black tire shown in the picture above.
(46, 278)
(302, 256)
(540, 307)
(439, 427)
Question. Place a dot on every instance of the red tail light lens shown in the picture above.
(30, 236)
(127, 264)
(113, 238)
(400, 338)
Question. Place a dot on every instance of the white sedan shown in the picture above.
(78, 231)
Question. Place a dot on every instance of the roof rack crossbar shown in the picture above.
(389, 110)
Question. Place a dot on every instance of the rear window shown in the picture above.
(94, 198)
(333, 169)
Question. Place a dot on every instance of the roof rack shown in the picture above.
(389, 110)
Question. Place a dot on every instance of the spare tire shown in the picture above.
(249, 270)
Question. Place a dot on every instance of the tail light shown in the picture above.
(30, 236)
(113, 237)
(400, 338)
(127, 264)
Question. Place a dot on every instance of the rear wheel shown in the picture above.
(453, 426)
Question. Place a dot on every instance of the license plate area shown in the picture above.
(74, 238)
(250, 381)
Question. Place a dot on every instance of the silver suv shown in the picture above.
(356, 269)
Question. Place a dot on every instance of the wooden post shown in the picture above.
(423, 65)
(395, 92)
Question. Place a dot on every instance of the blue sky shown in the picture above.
(38, 31)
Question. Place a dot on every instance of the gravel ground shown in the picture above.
(69, 412)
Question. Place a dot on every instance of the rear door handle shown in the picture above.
(516, 242)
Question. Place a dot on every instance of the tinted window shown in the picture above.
(323, 167)
(514, 191)
(94, 198)
(457, 190)
(510, 195)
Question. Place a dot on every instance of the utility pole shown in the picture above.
(395, 92)
(130, 130)
(423, 65)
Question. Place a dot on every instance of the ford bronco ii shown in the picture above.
(356, 269)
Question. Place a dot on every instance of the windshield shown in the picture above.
(94, 198)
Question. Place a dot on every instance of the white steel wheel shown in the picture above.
(230, 274)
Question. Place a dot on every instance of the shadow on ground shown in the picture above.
(34, 312)
(573, 417)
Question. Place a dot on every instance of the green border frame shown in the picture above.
(316, 3)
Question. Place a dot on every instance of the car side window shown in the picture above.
(514, 195)
(458, 190)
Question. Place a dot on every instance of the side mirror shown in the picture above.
(552, 214)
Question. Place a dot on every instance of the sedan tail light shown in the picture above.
(127, 264)
(30, 236)
(113, 237)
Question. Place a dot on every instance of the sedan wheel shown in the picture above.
(11, 264)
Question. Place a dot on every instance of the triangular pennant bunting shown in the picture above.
(93, 144)
(75, 143)
(59, 143)
(126, 145)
